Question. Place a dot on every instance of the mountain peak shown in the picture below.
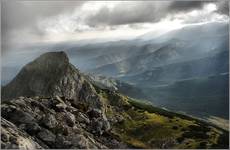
(50, 60)
(61, 55)
(50, 75)
(41, 77)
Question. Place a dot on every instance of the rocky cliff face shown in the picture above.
(50, 104)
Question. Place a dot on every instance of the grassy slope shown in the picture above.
(146, 126)
(202, 97)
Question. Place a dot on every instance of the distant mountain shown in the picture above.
(116, 85)
(214, 64)
(51, 105)
(175, 46)
(189, 33)
(122, 57)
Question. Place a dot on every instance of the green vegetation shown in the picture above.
(202, 97)
(146, 126)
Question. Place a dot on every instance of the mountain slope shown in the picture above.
(202, 97)
(73, 113)
(193, 32)
(116, 85)
(180, 55)
(166, 74)
(51, 75)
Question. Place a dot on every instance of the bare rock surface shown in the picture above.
(51, 75)
(42, 124)
(14, 138)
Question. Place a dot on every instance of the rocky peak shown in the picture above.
(47, 61)
(38, 77)
(50, 75)
(48, 95)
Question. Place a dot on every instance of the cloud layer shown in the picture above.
(37, 20)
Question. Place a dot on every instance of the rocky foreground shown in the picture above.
(53, 123)
(51, 105)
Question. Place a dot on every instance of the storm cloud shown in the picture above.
(148, 11)
(178, 6)
(132, 13)
(22, 14)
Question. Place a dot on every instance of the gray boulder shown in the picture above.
(46, 136)
(13, 138)
(82, 118)
(70, 119)
(49, 121)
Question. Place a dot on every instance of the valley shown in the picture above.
(171, 71)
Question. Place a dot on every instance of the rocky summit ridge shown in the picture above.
(51, 74)
(51, 105)
(51, 100)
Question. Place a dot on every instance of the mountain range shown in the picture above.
(182, 70)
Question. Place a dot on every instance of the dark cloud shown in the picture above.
(177, 6)
(23, 14)
(126, 13)
(223, 7)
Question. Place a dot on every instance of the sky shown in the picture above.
(28, 22)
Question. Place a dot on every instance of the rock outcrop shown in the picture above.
(49, 75)
(13, 138)
(40, 123)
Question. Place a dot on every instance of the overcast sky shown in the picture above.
(25, 22)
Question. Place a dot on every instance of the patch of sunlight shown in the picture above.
(221, 122)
